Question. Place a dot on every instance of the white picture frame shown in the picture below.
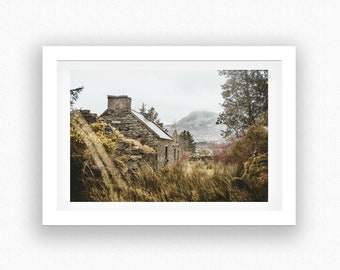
(280, 209)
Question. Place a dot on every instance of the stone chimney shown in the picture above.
(119, 103)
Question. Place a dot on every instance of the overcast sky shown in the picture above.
(173, 93)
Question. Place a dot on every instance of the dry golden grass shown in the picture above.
(99, 174)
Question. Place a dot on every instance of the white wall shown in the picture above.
(313, 26)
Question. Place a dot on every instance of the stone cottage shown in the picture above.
(134, 125)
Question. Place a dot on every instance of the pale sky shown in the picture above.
(173, 93)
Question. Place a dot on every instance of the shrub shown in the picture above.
(254, 142)
(255, 175)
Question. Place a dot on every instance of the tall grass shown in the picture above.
(177, 183)
(98, 173)
(171, 184)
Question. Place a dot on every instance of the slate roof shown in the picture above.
(156, 129)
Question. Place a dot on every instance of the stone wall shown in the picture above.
(131, 127)
(132, 153)
(168, 151)
(119, 103)
(119, 116)
(89, 117)
(135, 155)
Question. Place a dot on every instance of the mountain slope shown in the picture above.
(202, 125)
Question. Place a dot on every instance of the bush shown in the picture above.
(223, 153)
(255, 175)
(254, 142)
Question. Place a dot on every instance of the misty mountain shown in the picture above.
(202, 126)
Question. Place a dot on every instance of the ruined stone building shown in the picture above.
(134, 125)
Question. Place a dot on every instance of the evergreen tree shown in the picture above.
(186, 141)
(245, 95)
(151, 115)
(74, 94)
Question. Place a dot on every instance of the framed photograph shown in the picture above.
(169, 135)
